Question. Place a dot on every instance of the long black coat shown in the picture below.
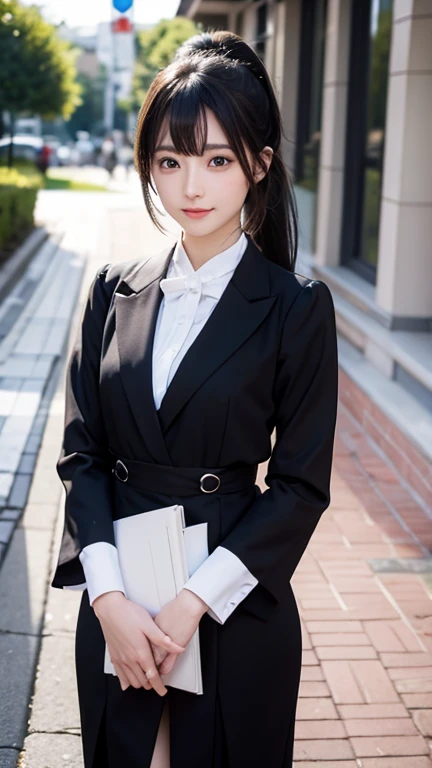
(266, 358)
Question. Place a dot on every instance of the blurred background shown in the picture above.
(355, 88)
(354, 83)
(73, 78)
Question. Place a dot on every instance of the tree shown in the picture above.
(38, 73)
(155, 49)
(89, 114)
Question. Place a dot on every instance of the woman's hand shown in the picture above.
(180, 619)
(129, 630)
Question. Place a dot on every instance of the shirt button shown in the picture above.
(181, 319)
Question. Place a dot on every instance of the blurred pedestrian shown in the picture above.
(109, 155)
(43, 158)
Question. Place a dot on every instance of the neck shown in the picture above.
(202, 249)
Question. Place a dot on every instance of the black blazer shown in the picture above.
(266, 357)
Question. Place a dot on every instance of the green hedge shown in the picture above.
(17, 201)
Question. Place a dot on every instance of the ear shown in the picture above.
(266, 155)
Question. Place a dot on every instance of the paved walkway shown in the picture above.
(366, 610)
(36, 622)
(363, 590)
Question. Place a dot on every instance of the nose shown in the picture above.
(193, 184)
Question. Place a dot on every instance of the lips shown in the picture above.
(197, 213)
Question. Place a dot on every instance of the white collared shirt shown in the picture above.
(190, 296)
(183, 315)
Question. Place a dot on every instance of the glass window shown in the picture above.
(370, 53)
(261, 30)
(239, 24)
(310, 91)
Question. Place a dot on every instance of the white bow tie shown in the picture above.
(193, 283)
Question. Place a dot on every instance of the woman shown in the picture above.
(185, 363)
(109, 155)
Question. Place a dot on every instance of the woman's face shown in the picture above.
(214, 182)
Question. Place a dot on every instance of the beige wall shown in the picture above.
(249, 23)
(333, 128)
(286, 69)
(404, 284)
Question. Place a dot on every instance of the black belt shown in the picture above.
(182, 481)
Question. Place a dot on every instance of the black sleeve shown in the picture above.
(272, 535)
(83, 465)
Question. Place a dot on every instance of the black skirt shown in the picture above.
(244, 719)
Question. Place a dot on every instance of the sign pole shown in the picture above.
(122, 6)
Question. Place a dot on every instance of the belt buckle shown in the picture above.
(209, 474)
(119, 465)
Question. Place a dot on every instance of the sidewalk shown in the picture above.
(37, 622)
(364, 594)
(363, 590)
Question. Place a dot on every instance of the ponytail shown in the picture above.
(273, 201)
(271, 210)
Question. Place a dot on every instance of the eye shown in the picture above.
(167, 160)
(226, 160)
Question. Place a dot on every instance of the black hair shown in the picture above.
(220, 71)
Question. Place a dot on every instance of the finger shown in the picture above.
(146, 661)
(147, 685)
(124, 683)
(139, 670)
(164, 641)
(168, 664)
(159, 654)
(133, 680)
(165, 667)
(153, 677)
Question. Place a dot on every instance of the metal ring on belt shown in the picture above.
(182, 481)
(210, 490)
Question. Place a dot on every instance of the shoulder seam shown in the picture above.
(102, 271)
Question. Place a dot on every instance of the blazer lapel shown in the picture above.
(136, 316)
(241, 309)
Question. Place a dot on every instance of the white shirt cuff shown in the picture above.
(222, 581)
(78, 587)
(101, 567)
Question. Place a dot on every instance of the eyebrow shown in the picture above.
(171, 148)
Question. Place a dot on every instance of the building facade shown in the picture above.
(354, 83)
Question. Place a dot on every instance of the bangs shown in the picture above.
(181, 109)
(186, 120)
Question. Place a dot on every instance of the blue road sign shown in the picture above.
(122, 5)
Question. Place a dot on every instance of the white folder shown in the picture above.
(157, 554)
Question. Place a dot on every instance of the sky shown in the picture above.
(82, 12)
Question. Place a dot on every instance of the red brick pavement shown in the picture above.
(366, 687)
